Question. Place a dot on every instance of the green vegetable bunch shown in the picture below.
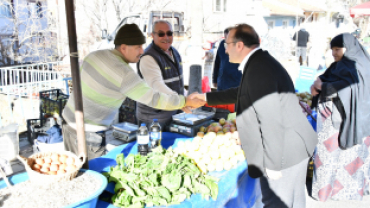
(161, 178)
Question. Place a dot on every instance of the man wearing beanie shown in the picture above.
(106, 81)
(161, 68)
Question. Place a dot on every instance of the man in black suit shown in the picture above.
(275, 135)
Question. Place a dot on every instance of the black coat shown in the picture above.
(274, 132)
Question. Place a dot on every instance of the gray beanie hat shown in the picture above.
(129, 34)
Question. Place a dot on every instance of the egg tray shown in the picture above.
(36, 177)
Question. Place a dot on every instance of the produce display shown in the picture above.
(224, 127)
(215, 152)
(54, 165)
(306, 97)
(163, 177)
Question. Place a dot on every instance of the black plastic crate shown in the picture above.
(35, 127)
(52, 101)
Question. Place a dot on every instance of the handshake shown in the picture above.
(194, 100)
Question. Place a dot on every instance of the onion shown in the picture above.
(40, 161)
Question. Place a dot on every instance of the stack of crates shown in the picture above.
(51, 102)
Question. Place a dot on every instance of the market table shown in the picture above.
(236, 187)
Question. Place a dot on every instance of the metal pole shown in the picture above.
(77, 93)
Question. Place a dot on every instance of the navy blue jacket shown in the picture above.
(225, 74)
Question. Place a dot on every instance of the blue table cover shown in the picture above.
(236, 187)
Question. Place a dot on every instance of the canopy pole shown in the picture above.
(76, 79)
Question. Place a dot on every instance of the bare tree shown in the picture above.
(29, 38)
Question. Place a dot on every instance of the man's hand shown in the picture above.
(196, 95)
(187, 109)
(215, 85)
(195, 100)
(273, 174)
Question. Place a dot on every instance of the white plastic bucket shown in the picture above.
(9, 142)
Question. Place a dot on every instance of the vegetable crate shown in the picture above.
(127, 111)
(34, 128)
(51, 102)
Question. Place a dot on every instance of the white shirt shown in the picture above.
(246, 58)
(152, 74)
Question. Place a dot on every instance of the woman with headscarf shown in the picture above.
(342, 156)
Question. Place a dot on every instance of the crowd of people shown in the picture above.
(276, 137)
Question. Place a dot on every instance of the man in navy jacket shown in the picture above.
(225, 74)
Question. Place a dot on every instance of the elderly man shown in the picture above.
(275, 135)
(106, 81)
(161, 68)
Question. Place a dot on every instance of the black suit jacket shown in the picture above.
(274, 132)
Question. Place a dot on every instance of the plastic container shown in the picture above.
(9, 142)
(155, 134)
(52, 101)
(89, 202)
(143, 140)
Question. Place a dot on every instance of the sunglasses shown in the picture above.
(162, 34)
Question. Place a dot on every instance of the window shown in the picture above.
(271, 24)
(219, 5)
(5, 10)
(285, 24)
(35, 10)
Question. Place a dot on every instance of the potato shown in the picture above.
(40, 161)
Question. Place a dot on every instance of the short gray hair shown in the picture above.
(161, 21)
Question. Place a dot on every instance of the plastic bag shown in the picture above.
(205, 85)
(9, 142)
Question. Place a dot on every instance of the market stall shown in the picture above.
(236, 188)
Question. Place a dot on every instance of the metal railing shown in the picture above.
(25, 82)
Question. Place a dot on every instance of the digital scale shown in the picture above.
(189, 124)
(125, 131)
